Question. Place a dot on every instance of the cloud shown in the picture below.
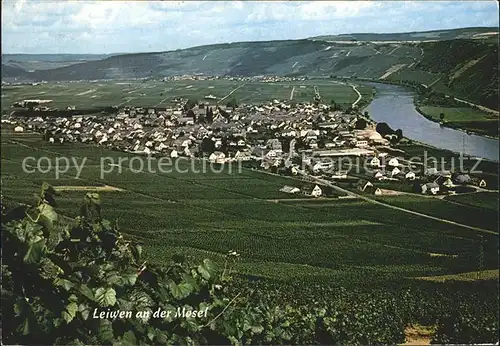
(45, 26)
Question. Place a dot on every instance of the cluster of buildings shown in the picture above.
(277, 136)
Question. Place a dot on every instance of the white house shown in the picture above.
(242, 156)
(361, 144)
(290, 189)
(430, 188)
(378, 175)
(410, 176)
(374, 162)
(316, 192)
(217, 157)
(18, 129)
(271, 154)
(393, 162)
(395, 171)
(174, 154)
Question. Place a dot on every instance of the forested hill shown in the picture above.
(466, 68)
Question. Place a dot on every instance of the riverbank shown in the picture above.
(394, 105)
(478, 127)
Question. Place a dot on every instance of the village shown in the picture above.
(315, 142)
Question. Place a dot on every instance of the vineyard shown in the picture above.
(57, 272)
(85, 95)
(206, 215)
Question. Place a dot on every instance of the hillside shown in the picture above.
(465, 68)
(294, 57)
(32, 62)
(451, 34)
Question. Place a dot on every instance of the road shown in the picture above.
(291, 93)
(483, 108)
(232, 91)
(357, 92)
(370, 200)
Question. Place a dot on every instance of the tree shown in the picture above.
(210, 115)
(441, 116)
(366, 114)
(191, 114)
(384, 129)
(360, 124)
(232, 103)
(207, 146)
(190, 104)
(399, 133)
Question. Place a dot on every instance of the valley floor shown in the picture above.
(278, 236)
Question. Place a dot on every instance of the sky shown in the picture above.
(102, 27)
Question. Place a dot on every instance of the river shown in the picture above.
(393, 104)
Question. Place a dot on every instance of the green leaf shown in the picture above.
(106, 331)
(66, 284)
(70, 312)
(136, 253)
(204, 272)
(105, 297)
(113, 278)
(35, 252)
(84, 310)
(161, 338)
(181, 290)
(207, 269)
(129, 338)
(87, 292)
(257, 329)
(130, 279)
(26, 326)
(210, 266)
(48, 212)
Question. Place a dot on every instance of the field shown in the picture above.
(84, 95)
(325, 240)
(464, 117)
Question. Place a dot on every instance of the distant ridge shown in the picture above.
(465, 65)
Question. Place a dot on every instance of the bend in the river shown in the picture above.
(393, 104)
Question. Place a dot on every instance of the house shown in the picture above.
(374, 162)
(431, 171)
(410, 176)
(361, 144)
(18, 129)
(393, 162)
(430, 188)
(363, 184)
(378, 175)
(395, 171)
(290, 189)
(463, 179)
(242, 156)
(265, 165)
(316, 191)
(217, 157)
(374, 190)
(174, 154)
